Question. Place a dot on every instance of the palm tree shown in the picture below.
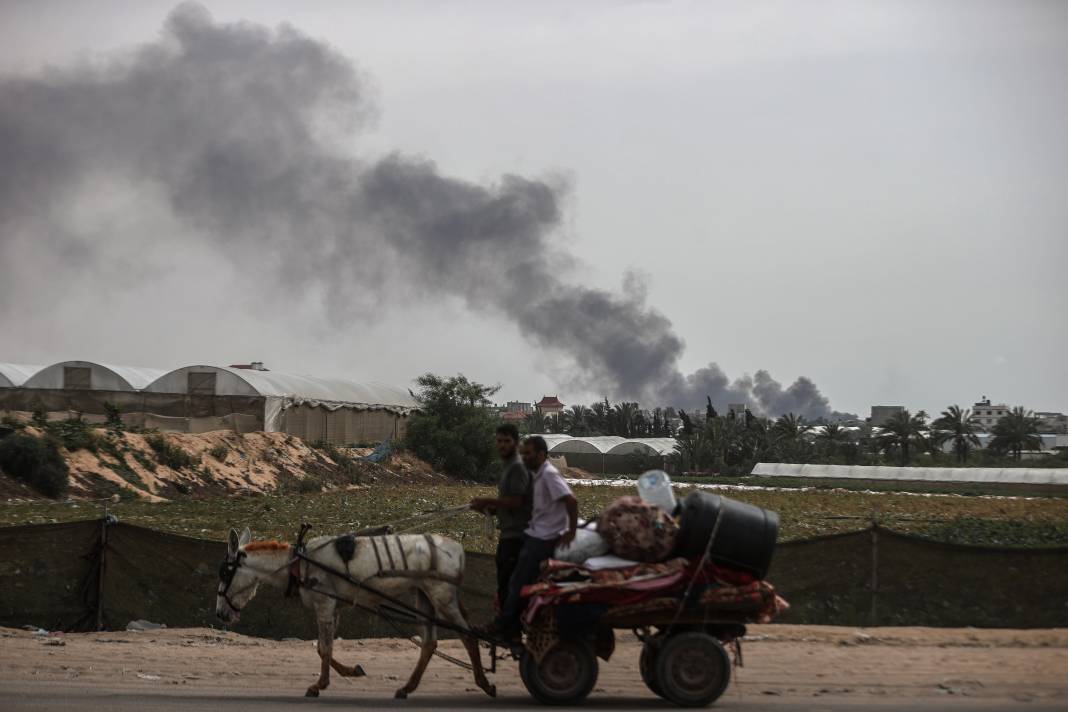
(757, 439)
(787, 437)
(1016, 432)
(600, 415)
(960, 426)
(535, 423)
(694, 450)
(903, 430)
(575, 421)
(727, 436)
(831, 440)
(625, 419)
(790, 427)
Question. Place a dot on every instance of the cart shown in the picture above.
(684, 658)
(684, 633)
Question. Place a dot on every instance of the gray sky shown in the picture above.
(873, 195)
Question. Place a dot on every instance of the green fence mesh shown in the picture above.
(50, 577)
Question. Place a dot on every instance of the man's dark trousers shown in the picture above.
(527, 568)
(506, 560)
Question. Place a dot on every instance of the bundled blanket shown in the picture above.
(653, 587)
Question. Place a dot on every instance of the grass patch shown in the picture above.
(12, 422)
(144, 460)
(170, 455)
(118, 463)
(37, 462)
(1023, 522)
(219, 452)
(74, 434)
(349, 469)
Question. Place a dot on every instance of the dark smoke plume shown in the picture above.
(242, 131)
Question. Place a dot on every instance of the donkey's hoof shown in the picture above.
(357, 671)
(312, 692)
(491, 690)
(401, 694)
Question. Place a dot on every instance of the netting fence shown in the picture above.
(93, 574)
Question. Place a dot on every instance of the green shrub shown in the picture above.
(170, 455)
(345, 463)
(74, 434)
(308, 485)
(454, 431)
(219, 452)
(144, 460)
(12, 422)
(113, 417)
(37, 462)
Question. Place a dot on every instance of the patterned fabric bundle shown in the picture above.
(638, 530)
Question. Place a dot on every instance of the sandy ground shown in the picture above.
(786, 667)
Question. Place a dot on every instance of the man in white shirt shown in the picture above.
(552, 523)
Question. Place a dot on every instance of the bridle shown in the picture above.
(227, 570)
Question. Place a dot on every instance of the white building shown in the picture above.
(1052, 422)
(988, 414)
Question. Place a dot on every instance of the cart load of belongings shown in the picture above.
(645, 553)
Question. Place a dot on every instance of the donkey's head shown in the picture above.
(237, 582)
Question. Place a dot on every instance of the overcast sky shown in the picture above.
(873, 195)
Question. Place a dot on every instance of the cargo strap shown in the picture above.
(380, 543)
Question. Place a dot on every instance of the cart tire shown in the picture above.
(566, 675)
(692, 669)
(647, 666)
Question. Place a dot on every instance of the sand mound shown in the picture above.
(160, 466)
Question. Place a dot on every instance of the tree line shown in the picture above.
(734, 445)
(625, 419)
(454, 432)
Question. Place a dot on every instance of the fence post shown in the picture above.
(100, 571)
(873, 616)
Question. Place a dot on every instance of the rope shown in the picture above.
(432, 517)
(427, 518)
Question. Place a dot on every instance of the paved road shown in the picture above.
(787, 668)
(35, 700)
(32, 700)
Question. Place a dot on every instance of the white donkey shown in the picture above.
(425, 569)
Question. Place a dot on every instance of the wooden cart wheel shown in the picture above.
(692, 669)
(647, 666)
(566, 675)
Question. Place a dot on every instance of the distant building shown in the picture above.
(549, 406)
(880, 414)
(988, 414)
(513, 416)
(1052, 422)
(737, 408)
(518, 407)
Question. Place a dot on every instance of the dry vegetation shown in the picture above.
(200, 485)
(979, 520)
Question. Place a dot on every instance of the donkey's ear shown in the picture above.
(233, 542)
(246, 537)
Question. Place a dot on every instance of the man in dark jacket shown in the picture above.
(512, 505)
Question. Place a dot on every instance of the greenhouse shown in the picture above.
(610, 454)
(202, 398)
(13, 375)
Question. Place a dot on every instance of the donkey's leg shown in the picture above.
(430, 644)
(453, 612)
(339, 667)
(347, 670)
(326, 651)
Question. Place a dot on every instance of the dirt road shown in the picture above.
(786, 667)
